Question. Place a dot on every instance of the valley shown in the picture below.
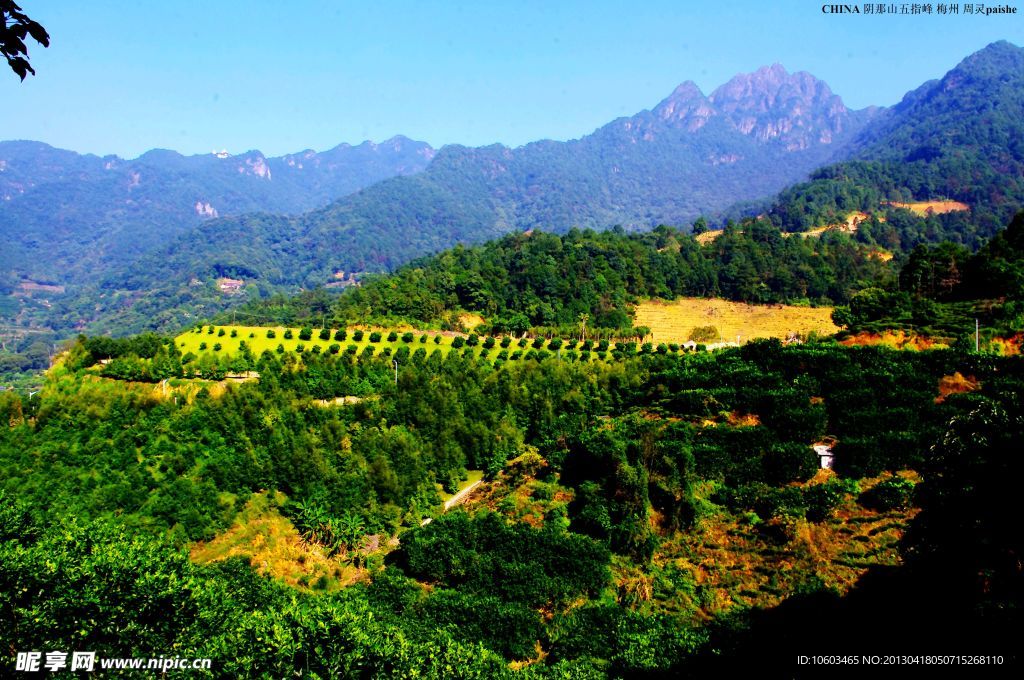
(723, 382)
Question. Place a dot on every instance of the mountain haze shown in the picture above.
(689, 155)
(66, 217)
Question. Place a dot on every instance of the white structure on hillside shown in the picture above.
(825, 455)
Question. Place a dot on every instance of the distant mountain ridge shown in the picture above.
(960, 137)
(64, 214)
(689, 155)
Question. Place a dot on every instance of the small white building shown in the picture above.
(825, 455)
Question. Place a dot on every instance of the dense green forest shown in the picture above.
(539, 279)
(106, 482)
(957, 138)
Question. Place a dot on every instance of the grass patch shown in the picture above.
(675, 321)
(274, 547)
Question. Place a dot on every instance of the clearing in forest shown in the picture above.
(925, 208)
(675, 321)
(275, 547)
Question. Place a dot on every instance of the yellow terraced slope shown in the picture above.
(674, 321)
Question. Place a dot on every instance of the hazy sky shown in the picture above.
(124, 77)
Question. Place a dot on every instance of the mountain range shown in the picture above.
(65, 217)
(692, 154)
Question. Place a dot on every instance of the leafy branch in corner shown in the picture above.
(15, 29)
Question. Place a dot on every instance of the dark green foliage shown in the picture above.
(325, 334)
(890, 494)
(485, 555)
(305, 334)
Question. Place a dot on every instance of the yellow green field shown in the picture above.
(256, 338)
(674, 321)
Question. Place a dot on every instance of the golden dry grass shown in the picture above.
(956, 384)
(898, 339)
(674, 321)
(274, 546)
(924, 208)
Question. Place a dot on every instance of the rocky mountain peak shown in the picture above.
(686, 107)
(771, 103)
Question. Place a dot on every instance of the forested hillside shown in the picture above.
(956, 138)
(71, 219)
(540, 279)
(618, 495)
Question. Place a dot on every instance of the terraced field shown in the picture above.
(735, 321)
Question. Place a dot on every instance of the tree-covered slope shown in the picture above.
(689, 155)
(69, 218)
(960, 137)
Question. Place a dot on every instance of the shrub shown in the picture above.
(202, 345)
(523, 342)
(661, 349)
(488, 342)
(234, 332)
(351, 349)
(306, 334)
(340, 335)
(392, 336)
(357, 335)
(437, 339)
(892, 494)
(271, 334)
(505, 342)
(703, 334)
(288, 334)
(602, 346)
(555, 344)
(300, 348)
(375, 337)
(210, 330)
(334, 348)
(473, 340)
(220, 333)
(423, 339)
(368, 350)
(458, 342)
(408, 337)
(280, 348)
(216, 347)
(316, 349)
(325, 333)
(502, 355)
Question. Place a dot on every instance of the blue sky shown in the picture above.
(124, 77)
